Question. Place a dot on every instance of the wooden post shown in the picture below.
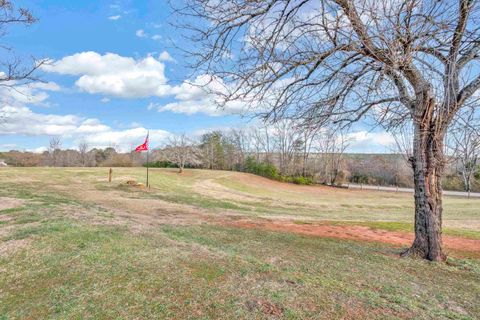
(110, 172)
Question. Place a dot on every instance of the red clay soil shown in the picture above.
(359, 233)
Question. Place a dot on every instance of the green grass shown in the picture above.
(75, 256)
(77, 271)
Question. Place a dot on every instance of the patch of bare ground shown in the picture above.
(129, 207)
(5, 218)
(115, 179)
(210, 188)
(265, 306)
(358, 233)
(141, 211)
(11, 246)
(9, 203)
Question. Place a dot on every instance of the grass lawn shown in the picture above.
(76, 247)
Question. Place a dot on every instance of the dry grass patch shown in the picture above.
(10, 203)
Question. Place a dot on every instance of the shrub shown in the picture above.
(359, 178)
(453, 182)
(161, 164)
(301, 180)
(168, 164)
(263, 169)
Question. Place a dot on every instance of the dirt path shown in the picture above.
(359, 233)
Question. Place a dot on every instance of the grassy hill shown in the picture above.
(216, 244)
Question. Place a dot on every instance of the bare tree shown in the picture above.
(340, 59)
(54, 150)
(464, 140)
(332, 145)
(239, 140)
(13, 71)
(83, 153)
(309, 137)
(288, 142)
(179, 151)
(262, 143)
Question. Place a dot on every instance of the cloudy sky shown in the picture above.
(115, 73)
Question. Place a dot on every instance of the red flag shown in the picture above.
(144, 146)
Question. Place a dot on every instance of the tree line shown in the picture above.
(285, 151)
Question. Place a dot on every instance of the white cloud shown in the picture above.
(141, 33)
(105, 100)
(365, 141)
(114, 17)
(38, 150)
(156, 37)
(165, 56)
(196, 97)
(125, 77)
(128, 139)
(91, 126)
(152, 106)
(114, 75)
(33, 93)
(21, 120)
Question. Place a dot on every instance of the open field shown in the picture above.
(216, 244)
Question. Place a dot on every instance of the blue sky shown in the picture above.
(115, 73)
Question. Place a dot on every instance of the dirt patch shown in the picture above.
(359, 233)
(215, 190)
(9, 247)
(142, 211)
(266, 307)
(9, 203)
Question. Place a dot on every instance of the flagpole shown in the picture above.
(148, 151)
(147, 168)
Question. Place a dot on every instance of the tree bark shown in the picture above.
(428, 167)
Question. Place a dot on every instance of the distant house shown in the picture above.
(2, 163)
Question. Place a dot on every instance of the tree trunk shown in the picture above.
(428, 167)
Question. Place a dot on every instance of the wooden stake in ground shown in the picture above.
(110, 172)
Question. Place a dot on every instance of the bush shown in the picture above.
(268, 170)
(263, 169)
(167, 164)
(453, 182)
(302, 180)
(161, 164)
(359, 178)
